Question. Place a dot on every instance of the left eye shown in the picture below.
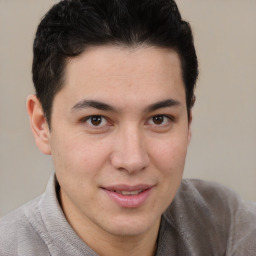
(159, 120)
(96, 121)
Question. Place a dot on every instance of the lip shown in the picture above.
(129, 201)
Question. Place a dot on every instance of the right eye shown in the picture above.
(95, 121)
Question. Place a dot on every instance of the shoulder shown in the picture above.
(17, 218)
(213, 199)
(201, 204)
(16, 230)
(215, 215)
(219, 199)
(208, 193)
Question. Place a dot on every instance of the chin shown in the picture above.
(131, 226)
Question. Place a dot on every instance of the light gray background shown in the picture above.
(223, 146)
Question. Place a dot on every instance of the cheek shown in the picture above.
(77, 165)
(169, 156)
(75, 155)
(169, 160)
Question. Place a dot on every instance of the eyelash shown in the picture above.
(107, 122)
(89, 119)
(165, 118)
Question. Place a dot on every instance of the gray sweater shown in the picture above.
(204, 219)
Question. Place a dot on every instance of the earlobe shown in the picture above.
(38, 124)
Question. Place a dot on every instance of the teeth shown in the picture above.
(129, 193)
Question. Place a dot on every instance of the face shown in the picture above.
(119, 136)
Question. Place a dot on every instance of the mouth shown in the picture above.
(128, 193)
(129, 196)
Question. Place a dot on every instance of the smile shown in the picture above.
(129, 193)
(129, 196)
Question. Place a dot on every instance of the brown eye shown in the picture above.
(96, 120)
(158, 119)
(96, 123)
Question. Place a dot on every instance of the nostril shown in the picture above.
(132, 163)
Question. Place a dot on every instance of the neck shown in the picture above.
(142, 245)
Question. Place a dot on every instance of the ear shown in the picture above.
(38, 124)
(189, 126)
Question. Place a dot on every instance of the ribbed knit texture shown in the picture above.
(204, 219)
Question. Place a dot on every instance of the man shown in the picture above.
(114, 87)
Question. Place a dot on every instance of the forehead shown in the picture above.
(121, 60)
(114, 71)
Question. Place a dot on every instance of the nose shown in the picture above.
(130, 152)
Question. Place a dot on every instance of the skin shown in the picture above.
(132, 140)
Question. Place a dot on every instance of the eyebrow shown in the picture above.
(162, 104)
(83, 104)
(92, 104)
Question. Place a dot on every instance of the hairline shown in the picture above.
(133, 46)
